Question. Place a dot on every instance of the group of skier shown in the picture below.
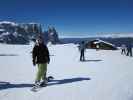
(40, 57)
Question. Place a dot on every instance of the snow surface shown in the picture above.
(105, 75)
(8, 22)
(101, 35)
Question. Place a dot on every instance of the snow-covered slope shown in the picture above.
(8, 22)
(101, 35)
(115, 35)
(105, 75)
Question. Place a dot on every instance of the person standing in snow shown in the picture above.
(129, 50)
(40, 55)
(123, 49)
(82, 50)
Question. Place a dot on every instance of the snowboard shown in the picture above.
(36, 88)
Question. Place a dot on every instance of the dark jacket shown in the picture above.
(40, 54)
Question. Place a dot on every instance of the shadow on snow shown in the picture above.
(65, 81)
(97, 60)
(8, 85)
(8, 55)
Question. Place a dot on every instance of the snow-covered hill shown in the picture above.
(105, 75)
(15, 33)
(115, 35)
(23, 33)
(101, 35)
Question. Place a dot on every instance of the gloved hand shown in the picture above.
(34, 63)
(48, 61)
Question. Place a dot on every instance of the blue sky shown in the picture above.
(72, 17)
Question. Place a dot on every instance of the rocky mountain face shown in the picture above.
(51, 35)
(23, 33)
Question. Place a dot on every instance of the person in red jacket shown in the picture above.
(40, 55)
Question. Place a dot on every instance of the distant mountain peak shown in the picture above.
(8, 22)
(115, 35)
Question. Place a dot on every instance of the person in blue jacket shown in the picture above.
(129, 50)
(82, 50)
